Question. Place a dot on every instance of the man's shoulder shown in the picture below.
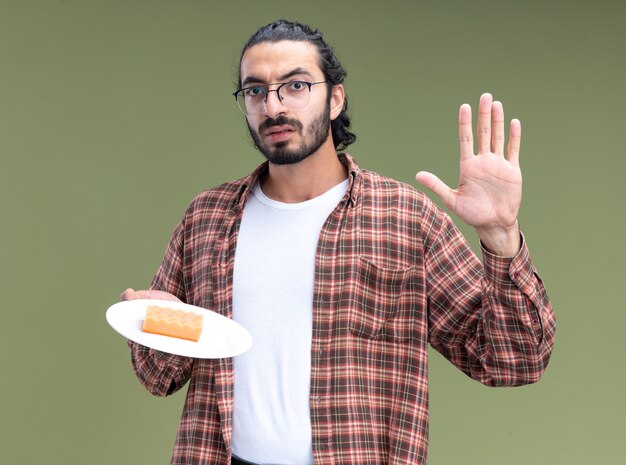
(384, 196)
(376, 184)
(222, 198)
(224, 193)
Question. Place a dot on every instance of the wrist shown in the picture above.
(504, 242)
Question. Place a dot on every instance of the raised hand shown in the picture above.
(489, 192)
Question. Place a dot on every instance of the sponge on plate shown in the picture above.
(173, 323)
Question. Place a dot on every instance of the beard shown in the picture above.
(316, 133)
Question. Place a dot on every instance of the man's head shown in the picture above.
(289, 125)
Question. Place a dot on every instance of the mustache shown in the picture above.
(281, 120)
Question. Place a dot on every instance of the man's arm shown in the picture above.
(161, 373)
(495, 321)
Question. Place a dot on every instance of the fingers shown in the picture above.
(436, 185)
(466, 140)
(497, 130)
(515, 140)
(490, 130)
(131, 294)
(483, 130)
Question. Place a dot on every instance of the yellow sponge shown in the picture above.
(173, 323)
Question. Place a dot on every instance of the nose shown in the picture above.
(273, 104)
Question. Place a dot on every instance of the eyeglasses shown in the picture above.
(294, 95)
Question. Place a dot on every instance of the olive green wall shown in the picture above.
(114, 114)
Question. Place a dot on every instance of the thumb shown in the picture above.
(128, 294)
(435, 184)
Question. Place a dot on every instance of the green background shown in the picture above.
(115, 114)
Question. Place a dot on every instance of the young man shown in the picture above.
(343, 277)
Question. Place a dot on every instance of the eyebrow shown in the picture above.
(293, 72)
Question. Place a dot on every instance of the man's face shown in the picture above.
(284, 135)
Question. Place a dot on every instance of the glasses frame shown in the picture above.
(266, 91)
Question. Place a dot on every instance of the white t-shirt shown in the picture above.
(273, 298)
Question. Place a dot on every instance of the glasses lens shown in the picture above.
(295, 95)
(246, 108)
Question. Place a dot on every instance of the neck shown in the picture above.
(307, 179)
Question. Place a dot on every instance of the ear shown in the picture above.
(337, 98)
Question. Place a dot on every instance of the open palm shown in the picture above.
(489, 192)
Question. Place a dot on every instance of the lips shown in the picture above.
(278, 129)
(279, 133)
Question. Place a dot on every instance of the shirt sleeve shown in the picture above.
(161, 373)
(493, 320)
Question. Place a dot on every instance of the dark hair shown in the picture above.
(334, 73)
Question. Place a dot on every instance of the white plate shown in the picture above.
(221, 337)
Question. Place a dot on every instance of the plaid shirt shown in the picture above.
(392, 274)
